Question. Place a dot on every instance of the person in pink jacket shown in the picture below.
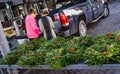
(31, 25)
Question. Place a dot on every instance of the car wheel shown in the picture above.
(106, 12)
(82, 28)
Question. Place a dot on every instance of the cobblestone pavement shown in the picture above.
(109, 24)
(70, 71)
(67, 71)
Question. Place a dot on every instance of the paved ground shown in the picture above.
(109, 24)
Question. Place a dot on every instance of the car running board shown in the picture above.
(97, 19)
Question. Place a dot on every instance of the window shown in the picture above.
(15, 12)
(41, 5)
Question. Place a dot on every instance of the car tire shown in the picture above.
(82, 29)
(106, 12)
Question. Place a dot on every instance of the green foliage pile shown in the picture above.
(61, 52)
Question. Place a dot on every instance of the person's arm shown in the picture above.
(41, 26)
(34, 25)
(51, 22)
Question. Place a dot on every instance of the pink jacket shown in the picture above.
(31, 27)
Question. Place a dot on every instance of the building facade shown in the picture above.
(13, 11)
